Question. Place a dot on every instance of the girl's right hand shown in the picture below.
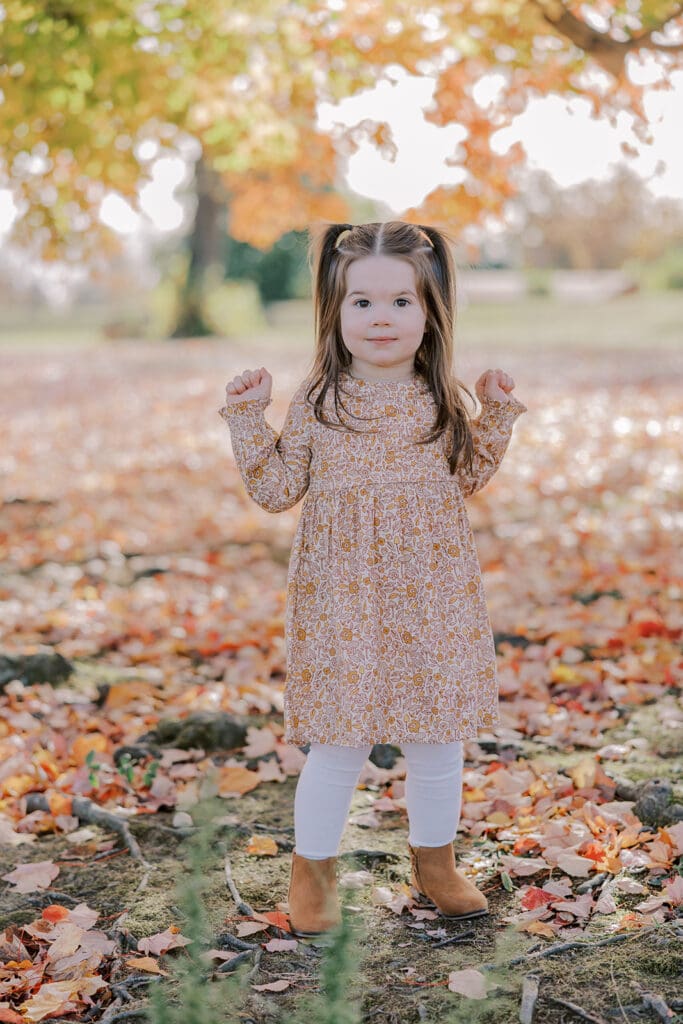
(248, 385)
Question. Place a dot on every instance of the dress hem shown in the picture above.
(298, 740)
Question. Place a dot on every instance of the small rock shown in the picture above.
(384, 755)
(653, 802)
(46, 667)
(207, 730)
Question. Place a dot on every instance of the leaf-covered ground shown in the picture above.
(130, 548)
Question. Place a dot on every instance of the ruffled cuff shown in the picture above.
(246, 409)
(503, 408)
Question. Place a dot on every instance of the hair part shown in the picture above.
(332, 248)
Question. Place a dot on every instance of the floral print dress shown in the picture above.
(388, 637)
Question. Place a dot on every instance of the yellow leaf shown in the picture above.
(475, 795)
(565, 674)
(145, 963)
(82, 746)
(538, 928)
(234, 780)
(500, 818)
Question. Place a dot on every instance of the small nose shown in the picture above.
(379, 319)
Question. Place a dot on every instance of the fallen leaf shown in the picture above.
(273, 986)
(274, 917)
(30, 877)
(250, 928)
(145, 963)
(162, 941)
(468, 982)
(235, 780)
(262, 846)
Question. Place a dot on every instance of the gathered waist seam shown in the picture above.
(381, 485)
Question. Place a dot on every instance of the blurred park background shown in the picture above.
(159, 164)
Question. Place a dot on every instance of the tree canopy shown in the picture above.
(92, 93)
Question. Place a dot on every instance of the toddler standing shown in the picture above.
(388, 636)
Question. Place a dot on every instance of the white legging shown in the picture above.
(328, 779)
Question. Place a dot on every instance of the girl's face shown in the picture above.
(382, 321)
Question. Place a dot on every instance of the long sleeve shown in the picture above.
(491, 434)
(274, 467)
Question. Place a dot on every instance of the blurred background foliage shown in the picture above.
(94, 97)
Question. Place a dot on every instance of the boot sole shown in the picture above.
(311, 935)
(424, 901)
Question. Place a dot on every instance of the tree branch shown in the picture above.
(607, 51)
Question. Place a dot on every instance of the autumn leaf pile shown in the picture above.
(129, 544)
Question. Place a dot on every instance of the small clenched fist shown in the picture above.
(247, 385)
(494, 384)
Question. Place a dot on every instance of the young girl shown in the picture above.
(388, 636)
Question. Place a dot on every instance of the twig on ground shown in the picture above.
(592, 883)
(120, 988)
(86, 810)
(51, 895)
(583, 1014)
(229, 941)
(257, 960)
(242, 907)
(563, 947)
(460, 937)
(658, 1004)
(231, 965)
(529, 997)
(124, 1015)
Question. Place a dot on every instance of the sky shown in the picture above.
(558, 135)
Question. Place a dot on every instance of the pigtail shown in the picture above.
(323, 248)
(322, 256)
(442, 263)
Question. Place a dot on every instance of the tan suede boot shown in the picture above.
(312, 898)
(436, 881)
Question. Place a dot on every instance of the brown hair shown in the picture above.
(332, 248)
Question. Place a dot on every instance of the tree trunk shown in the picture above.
(205, 251)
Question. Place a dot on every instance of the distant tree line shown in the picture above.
(596, 225)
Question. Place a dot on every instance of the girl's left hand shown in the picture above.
(494, 384)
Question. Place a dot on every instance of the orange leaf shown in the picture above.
(17, 785)
(234, 780)
(539, 928)
(82, 746)
(121, 695)
(59, 803)
(44, 759)
(54, 912)
(523, 845)
(262, 846)
(535, 897)
(8, 1016)
(145, 963)
(275, 917)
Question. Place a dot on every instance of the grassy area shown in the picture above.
(632, 322)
